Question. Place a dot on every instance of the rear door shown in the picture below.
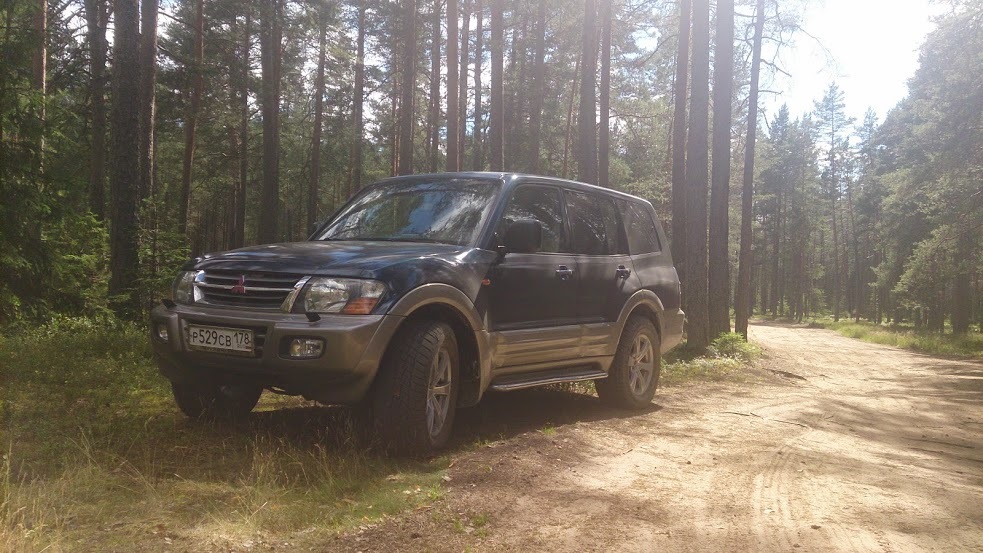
(604, 266)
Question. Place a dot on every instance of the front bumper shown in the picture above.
(353, 348)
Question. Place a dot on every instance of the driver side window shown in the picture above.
(540, 203)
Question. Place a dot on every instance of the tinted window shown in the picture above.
(448, 211)
(640, 228)
(540, 203)
(593, 224)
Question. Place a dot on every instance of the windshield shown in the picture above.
(449, 211)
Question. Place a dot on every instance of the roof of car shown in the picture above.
(512, 179)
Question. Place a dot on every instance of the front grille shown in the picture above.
(260, 290)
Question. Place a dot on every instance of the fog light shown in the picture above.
(306, 348)
(162, 333)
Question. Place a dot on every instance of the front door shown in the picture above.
(533, 296)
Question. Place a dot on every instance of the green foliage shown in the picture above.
(733, 346)
(907, 337)
(723, 360)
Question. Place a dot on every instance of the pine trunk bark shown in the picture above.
(355, 182)
(453, 111)
(745, 259)
(270, 102)
(148, 96)
(604, 128)
(479, 116)
(679, 145)
(96, 18)
(124, 262)
(191, 120)
(698, 336)
(587, 114)
(462, 101)
(433, 121)
(239, 234)
(407, 85)
(496, 126)
(538, 89)
(315, 182)
(723, 86)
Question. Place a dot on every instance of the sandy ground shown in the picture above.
(832, 444)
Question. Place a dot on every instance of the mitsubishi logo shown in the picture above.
(240, 287)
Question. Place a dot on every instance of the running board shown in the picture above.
(541, 378)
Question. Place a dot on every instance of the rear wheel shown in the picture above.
(634, 373)
(202, 400)
(416, 394)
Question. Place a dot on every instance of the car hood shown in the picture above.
(401, 265)
(328, 258)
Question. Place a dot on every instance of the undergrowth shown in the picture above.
(94, 452)
(724, 357)
(907, 337)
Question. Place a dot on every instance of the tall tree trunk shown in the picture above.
(96, 18)
(604, 137)
(315, 182)
(587, 115)
(39, 72)
(568, 134)
(124, 261)
(270, 102)
(745, 261)
(462, 104)
(148, 96)
(462, 101)
(679, 144)
(239, 233)
(496, 126)
(479, 53)
(433, 121)
(191, 121)
(358, 102)
(453, 111)
(723, 86)
(407, 85)
(696, 182)
(538, 89)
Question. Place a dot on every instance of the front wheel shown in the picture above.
(416, 394)
(634, 373)
(201, 400)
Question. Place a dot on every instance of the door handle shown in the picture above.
(563, 272)
(623, 272)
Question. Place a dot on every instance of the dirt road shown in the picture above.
(832, 445)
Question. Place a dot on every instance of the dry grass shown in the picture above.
(95, 453)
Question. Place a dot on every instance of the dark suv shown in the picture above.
(422, 293)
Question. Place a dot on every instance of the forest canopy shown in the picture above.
(135, 135)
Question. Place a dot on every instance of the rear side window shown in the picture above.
(593, 224)
(541, 203)
(640, 228)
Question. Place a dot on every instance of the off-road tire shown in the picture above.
(207, 401)
(402, 389)
(616, 390)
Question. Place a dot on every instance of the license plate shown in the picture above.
(226, 340)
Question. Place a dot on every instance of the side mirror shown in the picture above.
(524, 236)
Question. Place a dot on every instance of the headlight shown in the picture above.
(185, 290)
(342, 295)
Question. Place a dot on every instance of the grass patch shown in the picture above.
(907, 337)
(95, 453)
(726, 356)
